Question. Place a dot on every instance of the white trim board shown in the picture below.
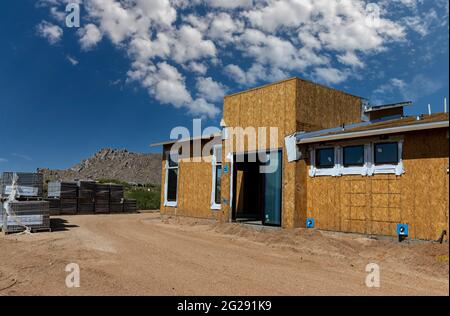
(368, 169)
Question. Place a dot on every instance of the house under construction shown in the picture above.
(320, 158)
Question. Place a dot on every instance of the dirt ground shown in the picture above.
(143, 254)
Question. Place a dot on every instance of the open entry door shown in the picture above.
(273, 189)
(257, 189)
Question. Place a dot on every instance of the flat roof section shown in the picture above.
(406, 124)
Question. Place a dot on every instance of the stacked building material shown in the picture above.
(101, 198)
(62, 190)
(130, 206)
(116, 198)
(55, 206)
(86, 197)
(66, 193)
(30, 185)
(32, 214)
(68, 206)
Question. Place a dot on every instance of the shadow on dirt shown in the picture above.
(59, 224)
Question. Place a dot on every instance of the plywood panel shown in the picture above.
(377, 204)
(321, 107)
(194, 189)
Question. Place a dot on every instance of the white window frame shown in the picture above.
(357, 170)
(397, 169)
(215, 163)
(317, 172)
(166, 182)
(369, 168)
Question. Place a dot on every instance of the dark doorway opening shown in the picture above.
(257, 188)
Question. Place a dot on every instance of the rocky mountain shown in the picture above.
(113, 164)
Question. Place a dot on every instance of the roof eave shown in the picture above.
(388, 106)
(170, 142)
(375, 132)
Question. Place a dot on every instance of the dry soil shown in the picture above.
(143, 254)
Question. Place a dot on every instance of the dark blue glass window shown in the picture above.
(386, 153)
(218, 185)
(354, 156)
(325, 158)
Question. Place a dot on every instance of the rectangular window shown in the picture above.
(171, 179)
(325, 158)
(386, 153)
(217, 178)
(218, 185)
(354, 156)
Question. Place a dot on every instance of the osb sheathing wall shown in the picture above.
(375, 205)
(287, 105)
(320, 107)
(194, 188)
(270, 106)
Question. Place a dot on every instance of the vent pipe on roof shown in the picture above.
(445, 105)
(429, 109)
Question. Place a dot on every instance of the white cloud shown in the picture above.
(224, 27)
(51, 32)
(169, 87)
(393, 84)
(350, 59)
(3, 160)
(270, 50)
(72, 60)
(331, 75)
(327, 40)
(287, 13)
(210, 90)
(420, 86)
(422, 24)
(236, 73)
(230, 4)
(190, 45)
(166, 84)
(198, 68)
(254, 74)
(200, 107)
(90, 36)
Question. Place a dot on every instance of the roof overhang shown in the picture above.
(376, 108)
(192, 139)
(374, 132)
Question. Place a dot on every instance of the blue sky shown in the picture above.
(137, 68)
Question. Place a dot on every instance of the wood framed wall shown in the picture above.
(376, 204)
(194, 187)
(291, 105)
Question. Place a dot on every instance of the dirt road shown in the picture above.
(144, 255)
